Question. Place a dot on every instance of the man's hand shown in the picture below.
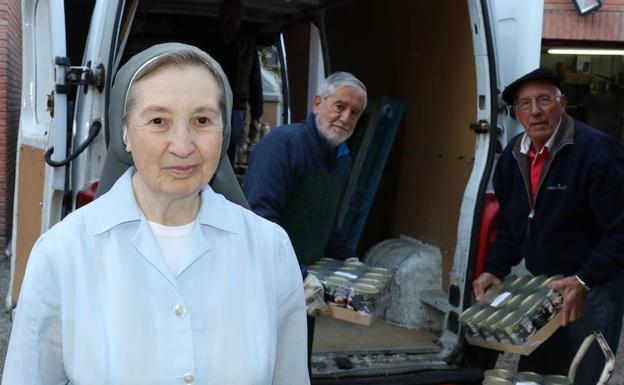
(484, 282)
(573, 298)
(254, 128)
(314, 296)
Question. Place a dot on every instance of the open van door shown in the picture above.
(39, 188)
(43, 187)
(517, 39)
(507, 41)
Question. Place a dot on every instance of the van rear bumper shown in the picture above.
(434, 377)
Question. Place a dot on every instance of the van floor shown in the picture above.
(331, 334)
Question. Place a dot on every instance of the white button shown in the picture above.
(188, 378)
(180, 311)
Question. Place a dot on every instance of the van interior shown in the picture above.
(417, 52)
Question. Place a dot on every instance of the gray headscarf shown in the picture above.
(118, 159)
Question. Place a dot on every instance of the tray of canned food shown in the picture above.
(516, 316)
(354, 291)
(507, 377)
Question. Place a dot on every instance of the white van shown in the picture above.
(447, 60)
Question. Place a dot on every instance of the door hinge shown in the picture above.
(481, 127)
(79, 76)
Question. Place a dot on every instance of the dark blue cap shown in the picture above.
(546, 74)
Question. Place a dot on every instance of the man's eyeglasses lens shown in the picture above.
(542, 101)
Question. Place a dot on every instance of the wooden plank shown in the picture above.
(331, 334)
(29, 209)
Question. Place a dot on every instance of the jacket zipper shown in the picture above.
(528, 186)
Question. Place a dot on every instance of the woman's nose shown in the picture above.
(181, 141)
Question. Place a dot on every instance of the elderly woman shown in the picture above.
(161, 280)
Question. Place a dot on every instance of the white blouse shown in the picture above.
(100, 305)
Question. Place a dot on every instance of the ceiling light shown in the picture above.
(585, 51)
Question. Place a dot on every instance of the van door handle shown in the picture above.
(93, 132)
(481, 127)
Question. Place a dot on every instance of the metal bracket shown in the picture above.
(80, 76)
(481, 127)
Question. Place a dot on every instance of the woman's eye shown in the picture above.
(157, 121)
(203, 120)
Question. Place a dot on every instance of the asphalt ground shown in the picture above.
(506, 360)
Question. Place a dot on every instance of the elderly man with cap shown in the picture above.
(560, 186)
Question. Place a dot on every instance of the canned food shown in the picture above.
(490, 325)
(520, 285)
(374, 275)
(535, 283)
(377, 283)
(537, 307)
(496, 381)
(466, 319)
(337, 289)
(532, 305)
(480, 317)
(319, 273)
(501, 299)
(500, 373)
(514, 301)
(349, 272)
(508, 283)
(528, 378)
(363, 297)
(556, 379)
(554, 297)
(323, 265)
(382, 270)
(550, 279)
(517, 327)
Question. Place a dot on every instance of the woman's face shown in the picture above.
(175, 130)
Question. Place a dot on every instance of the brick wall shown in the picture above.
(10, 85)
(562, 21)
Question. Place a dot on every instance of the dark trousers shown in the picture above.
(603, 312)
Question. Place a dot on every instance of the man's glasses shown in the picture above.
(542, 101)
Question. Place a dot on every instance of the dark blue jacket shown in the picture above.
(286, 157)
(577, 224)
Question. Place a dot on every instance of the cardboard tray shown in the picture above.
(350, 315)
(532, 343)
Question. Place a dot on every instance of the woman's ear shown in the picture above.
(124, 138)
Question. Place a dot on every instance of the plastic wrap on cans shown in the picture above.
(353, 285)
(467, 318)
(516, 327)
(537, 306)
(337, 289)
(514, 313)
(490, 326)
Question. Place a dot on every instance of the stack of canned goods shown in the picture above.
(506, 377)
(514, 311)
(353, 285)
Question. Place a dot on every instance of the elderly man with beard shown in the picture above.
(298, 172)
